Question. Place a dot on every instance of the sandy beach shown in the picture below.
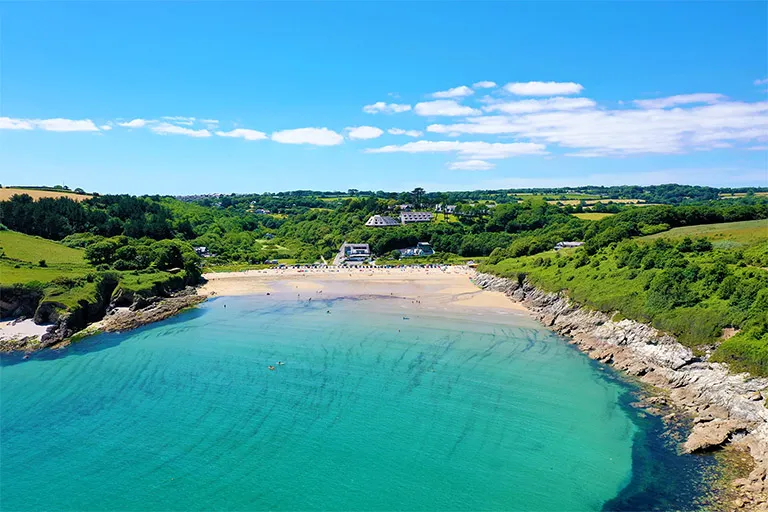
(449, 286)
(20, 329)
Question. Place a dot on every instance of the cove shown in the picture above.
(369, 412)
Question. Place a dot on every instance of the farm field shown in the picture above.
(592, 215)
(742, 194)
(590, 202)
(7, 193)
(745, 232)
(556, 197)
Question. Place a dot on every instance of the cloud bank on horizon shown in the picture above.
(485, 122)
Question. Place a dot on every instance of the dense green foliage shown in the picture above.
(685, 287)
(68, 282)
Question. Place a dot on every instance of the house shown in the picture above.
(410, 217)
(269, 236)
(567, 245)
(381, 221)
(404, 207)
(261, 211)
(445, 208)
(421, 249)
(353, 252)
(202, 251)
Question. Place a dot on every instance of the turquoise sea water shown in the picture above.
(369, 412)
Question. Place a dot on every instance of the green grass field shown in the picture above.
(21, 255)
(32, 249)
(446, 217)
(746, 232)
(592, 215)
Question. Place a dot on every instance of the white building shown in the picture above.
(445, 208)
(421, 249)
(410, 217)
(567, 245)
(381, 221)
(354, 252)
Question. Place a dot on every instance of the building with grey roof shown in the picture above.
(381, 221)
(410, 217)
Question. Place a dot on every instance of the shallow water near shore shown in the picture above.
(371, 411)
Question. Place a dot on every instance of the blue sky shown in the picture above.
(181, 98)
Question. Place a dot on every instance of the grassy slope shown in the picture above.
(745, 232)
(603, 286)
(22, 253)
(68, 278)
(30, 248)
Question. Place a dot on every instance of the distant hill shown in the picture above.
(7, 193)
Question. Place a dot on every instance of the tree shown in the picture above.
(418, 194)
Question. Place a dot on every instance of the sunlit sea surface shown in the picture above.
(376, 407)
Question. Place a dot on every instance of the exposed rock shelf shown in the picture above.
(142, 311)
(725, 407)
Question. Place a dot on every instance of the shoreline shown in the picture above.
(727, 410)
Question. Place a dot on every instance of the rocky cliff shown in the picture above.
(726, 408)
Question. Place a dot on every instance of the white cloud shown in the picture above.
(187, 121)
(471, 150)
(761, 81)
(444, 108)
(409, 133)
(386, 108)
(363, 132)
(65, 125)
(136, 123)
(9, 123)
(471, 165)
(51, 125)
(209, 121)
(629, 131)
(757, 148)
(543, 88)
(315, 136)
(680, 99)
(529, 106)
(484, 85)
(105, 127)
(456, 92)
(172, 129)
(243, 133)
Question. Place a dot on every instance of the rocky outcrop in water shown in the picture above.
(100, 315)
(726, 408)
(131, 318)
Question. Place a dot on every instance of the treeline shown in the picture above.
(663, 194)
(55, 218)
(307, 234)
